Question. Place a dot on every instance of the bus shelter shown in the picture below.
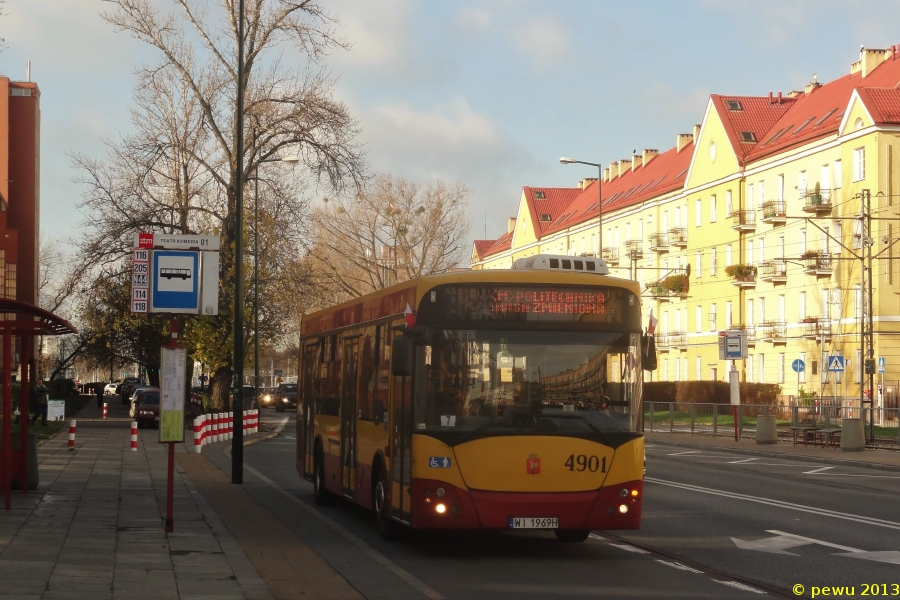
(23, 320)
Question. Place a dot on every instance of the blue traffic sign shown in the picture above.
(175, 281)
(798, 366)
(882, 365)
(836, 364)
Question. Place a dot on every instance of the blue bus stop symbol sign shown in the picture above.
(882, 365)
(798, 366)
(175, 281)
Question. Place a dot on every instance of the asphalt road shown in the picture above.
(777, 521)
(497, 566)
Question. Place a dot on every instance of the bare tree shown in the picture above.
(394, 231)
(179, 171)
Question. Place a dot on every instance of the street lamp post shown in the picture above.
(290, 160)
(571, 161)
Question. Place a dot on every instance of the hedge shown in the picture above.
(710, 392)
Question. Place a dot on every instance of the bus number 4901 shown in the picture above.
(583, 462)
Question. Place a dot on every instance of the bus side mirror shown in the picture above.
(648, 353)
(402, 357)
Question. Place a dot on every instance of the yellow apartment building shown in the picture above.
(766, 201)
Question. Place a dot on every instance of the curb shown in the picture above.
(799, 457)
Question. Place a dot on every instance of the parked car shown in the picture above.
(134, 398)
(248, 395)
(147, 407)
(110, 388)
(125, 382)
(285, 396)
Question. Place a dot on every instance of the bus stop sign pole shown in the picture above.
(735, 399)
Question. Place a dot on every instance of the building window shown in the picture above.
(698, 212)
(749, 202)
(839, 236)
(858, 298)
(761, 365)
(859, 164)
(802, 305)
(728, 207)
(712, 209)
(699, 266)
(802, 374)
(779, 188)
(728, 315)
(665, 369)
(698, 314)
(838, 175)
(728, 262)
(750, 312)
(699, 369)
(750, 368)
(713, 261)
(713, 320)
(714, 374)
(802, 241)
(801, 183)
(781, 368)
(684, 365)
(760, 194)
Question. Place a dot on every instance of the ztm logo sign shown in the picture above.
(533, 465)
(145, 240)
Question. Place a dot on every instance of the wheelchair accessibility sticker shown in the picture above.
(439, 462)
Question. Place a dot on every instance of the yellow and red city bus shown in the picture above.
(479, 400)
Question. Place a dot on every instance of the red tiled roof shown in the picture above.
(554, 202)
(481, 246)
(664, 173)
(504, 242)
(826, 102)
(756, 115)
(882, 103)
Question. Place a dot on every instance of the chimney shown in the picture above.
(683, 140)
(28, 70)
(613, 170)
(510, 224)
(647, 155)
(794, 93)
(779, 97)
(584, 183)
(606, 174)
(812, 84)
(696, 132)
(624, 166)
(871, 59)
(637, 161)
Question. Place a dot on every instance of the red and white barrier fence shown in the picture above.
(217, 427)
(133, 434)
(104, 410)
(72, 435)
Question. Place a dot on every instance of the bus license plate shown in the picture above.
(533, 522)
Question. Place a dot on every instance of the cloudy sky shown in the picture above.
(488, 92)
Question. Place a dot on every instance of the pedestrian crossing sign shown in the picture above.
(836, 364)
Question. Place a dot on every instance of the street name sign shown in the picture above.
(171, 241)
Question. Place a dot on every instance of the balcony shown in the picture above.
(634, 249)
(742, 276)
(611, 256)
(751, 333)
(659, 242)
(773, 271)
(774, 332)
(673, 286)
(817, 328)
(817, 263)
(662, 342)
(677, 340)
(678, 237)
(816, 200)
(774, 212)
(743, 220)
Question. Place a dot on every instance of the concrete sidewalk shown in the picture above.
(884, 460)
(94, 528)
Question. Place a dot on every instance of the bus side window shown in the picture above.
(367, 375)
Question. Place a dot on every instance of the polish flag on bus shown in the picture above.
(410, 316)
(651, 327)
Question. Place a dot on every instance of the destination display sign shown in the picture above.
(499, 303)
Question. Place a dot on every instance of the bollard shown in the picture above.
(255, 421)
(204, 430)
(198, 434)
(133, 435)
(72, 435)
(715, 408)
(217, 432)
(693, 417)
(104, 410)
(671, 417)
(229, 427)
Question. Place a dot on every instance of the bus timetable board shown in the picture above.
(479, 303)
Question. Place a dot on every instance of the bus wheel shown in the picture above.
(390, 530)
(321, 495)
(572, 535)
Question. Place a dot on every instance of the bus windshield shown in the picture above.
(528, 381)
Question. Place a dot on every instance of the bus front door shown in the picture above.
(348, 415)
(401, 446)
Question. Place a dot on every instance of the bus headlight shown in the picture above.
(442, 508)
(623, 493)
(441, 492)
(623, 508)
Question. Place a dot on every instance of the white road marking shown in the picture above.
(740, 586)
(859, 475)
(770, 502)
(742, 461)
(889, 556)
(776, 545)
(685, 452)
(380, 558)
(628, 548)
(281, 425)
(807, 540)
(819, 470)
(679, 566)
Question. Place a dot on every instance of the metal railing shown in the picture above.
(817, 327)
(717, 420)
(772, 269)
(658, 241)
(817, 263)
(743, 219)
(610, 254)
(635, 249)
(678, 236)
(773, 209)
